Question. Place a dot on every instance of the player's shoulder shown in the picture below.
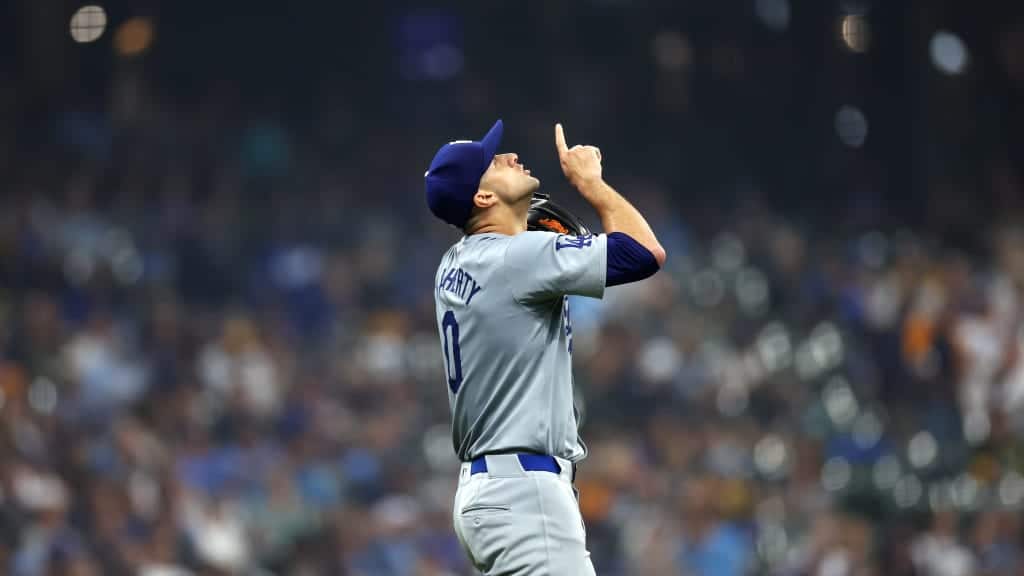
(536, 242)
(535, 236)
(482, 243)
(477, 250)
(546, 237)
(532, 238)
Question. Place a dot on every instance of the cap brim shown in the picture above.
(492, 141)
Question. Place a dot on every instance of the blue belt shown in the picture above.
(530, 463)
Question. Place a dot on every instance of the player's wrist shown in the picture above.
(592, 189)
(587, 184)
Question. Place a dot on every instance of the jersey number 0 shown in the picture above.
(452, 354)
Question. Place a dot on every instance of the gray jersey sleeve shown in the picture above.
(544, 265)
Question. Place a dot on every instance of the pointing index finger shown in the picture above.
(560, 140)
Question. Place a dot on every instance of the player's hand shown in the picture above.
(581, 164)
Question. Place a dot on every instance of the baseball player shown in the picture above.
(503, 318)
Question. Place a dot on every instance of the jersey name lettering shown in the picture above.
(460, 283)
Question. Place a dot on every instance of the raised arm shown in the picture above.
(582, 167)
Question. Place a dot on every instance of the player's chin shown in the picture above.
(525, 188)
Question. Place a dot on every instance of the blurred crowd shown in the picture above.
(248, 381)
(218, 351)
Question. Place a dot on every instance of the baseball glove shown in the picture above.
(547, 216)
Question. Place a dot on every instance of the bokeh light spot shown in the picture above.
(133, 37)
(948, 53)
(88, 24)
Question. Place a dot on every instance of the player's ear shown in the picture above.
(484, 198)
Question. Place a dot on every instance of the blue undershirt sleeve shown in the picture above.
(628, 261)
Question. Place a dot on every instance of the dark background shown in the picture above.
(748, 117)
(218, 351)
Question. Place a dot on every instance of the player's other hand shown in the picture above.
(581, 164)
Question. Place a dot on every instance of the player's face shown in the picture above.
(509, 179)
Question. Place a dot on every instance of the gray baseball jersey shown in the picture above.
(506, 336)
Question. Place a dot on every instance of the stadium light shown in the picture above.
(88, 24)
(949, 53)
(133, 37)
(855, 32)
(851, 126)
(774, 14)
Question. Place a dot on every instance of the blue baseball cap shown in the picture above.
(454, 175)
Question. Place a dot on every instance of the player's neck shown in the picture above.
(507, 222)
(508, 228)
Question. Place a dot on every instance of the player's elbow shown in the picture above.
(659, 253)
